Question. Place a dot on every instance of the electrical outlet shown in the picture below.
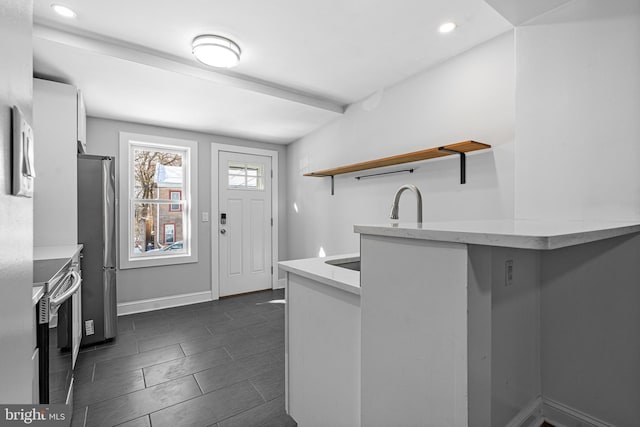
(88, 327)
(508, 272)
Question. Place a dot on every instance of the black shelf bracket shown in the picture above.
(463, 163)
(332, 183)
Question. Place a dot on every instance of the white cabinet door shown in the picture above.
(76, 304)
(323, 352)
(77, 323)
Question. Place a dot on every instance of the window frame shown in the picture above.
(173, 233)
(179, 205)
(188, 204)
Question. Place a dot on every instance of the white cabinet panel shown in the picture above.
(323, 353)
(414, 332)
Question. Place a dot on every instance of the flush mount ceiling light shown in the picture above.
(63, 10)
(216, 51)
(447, 27)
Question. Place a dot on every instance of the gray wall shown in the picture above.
(504, 334)
(16, 213)
(515, 333)
(137, 284)
(595, 291)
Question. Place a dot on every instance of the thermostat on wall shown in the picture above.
(23, 169)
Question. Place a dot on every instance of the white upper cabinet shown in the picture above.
(58, 123)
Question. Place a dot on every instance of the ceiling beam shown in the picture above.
(129, 52)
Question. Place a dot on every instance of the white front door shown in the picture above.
(244, 222)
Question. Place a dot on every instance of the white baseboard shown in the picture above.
(529, 416)
(543, 409)
(280, 284)
(561, 415)
(162, 302)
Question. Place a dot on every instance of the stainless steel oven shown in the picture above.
(57, 342)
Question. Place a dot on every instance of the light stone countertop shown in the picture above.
(55, 252)
(318, 270)
(525, 234)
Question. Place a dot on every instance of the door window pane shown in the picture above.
(246, 176)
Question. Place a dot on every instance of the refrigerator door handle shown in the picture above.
(108, 212)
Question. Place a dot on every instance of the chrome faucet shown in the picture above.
(396, 201)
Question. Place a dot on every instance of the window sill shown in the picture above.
(159, 261)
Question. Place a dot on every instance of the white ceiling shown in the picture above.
(302, 61)
(521, 11)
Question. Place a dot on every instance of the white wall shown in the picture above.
(572, 100)
(468, 97)
(16, 213)
(577, 113)
(103, 137)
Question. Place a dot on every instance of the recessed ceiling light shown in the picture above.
(63, 11)
(216, 51)
(447, 27)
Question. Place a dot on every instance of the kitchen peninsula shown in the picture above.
(468, 324)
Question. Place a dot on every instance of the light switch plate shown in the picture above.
(23, 155)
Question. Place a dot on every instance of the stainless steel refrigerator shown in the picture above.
(97, 232)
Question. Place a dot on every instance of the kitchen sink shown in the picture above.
(348, 263)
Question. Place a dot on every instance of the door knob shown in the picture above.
(223, 231)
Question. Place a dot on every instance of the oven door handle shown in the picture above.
(59, 299)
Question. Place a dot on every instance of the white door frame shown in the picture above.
(213, 218)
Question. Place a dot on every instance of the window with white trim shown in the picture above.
(158, 180)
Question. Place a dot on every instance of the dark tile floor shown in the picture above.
(218, 364)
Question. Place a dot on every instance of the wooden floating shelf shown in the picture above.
(459, 148)
(416, 156)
